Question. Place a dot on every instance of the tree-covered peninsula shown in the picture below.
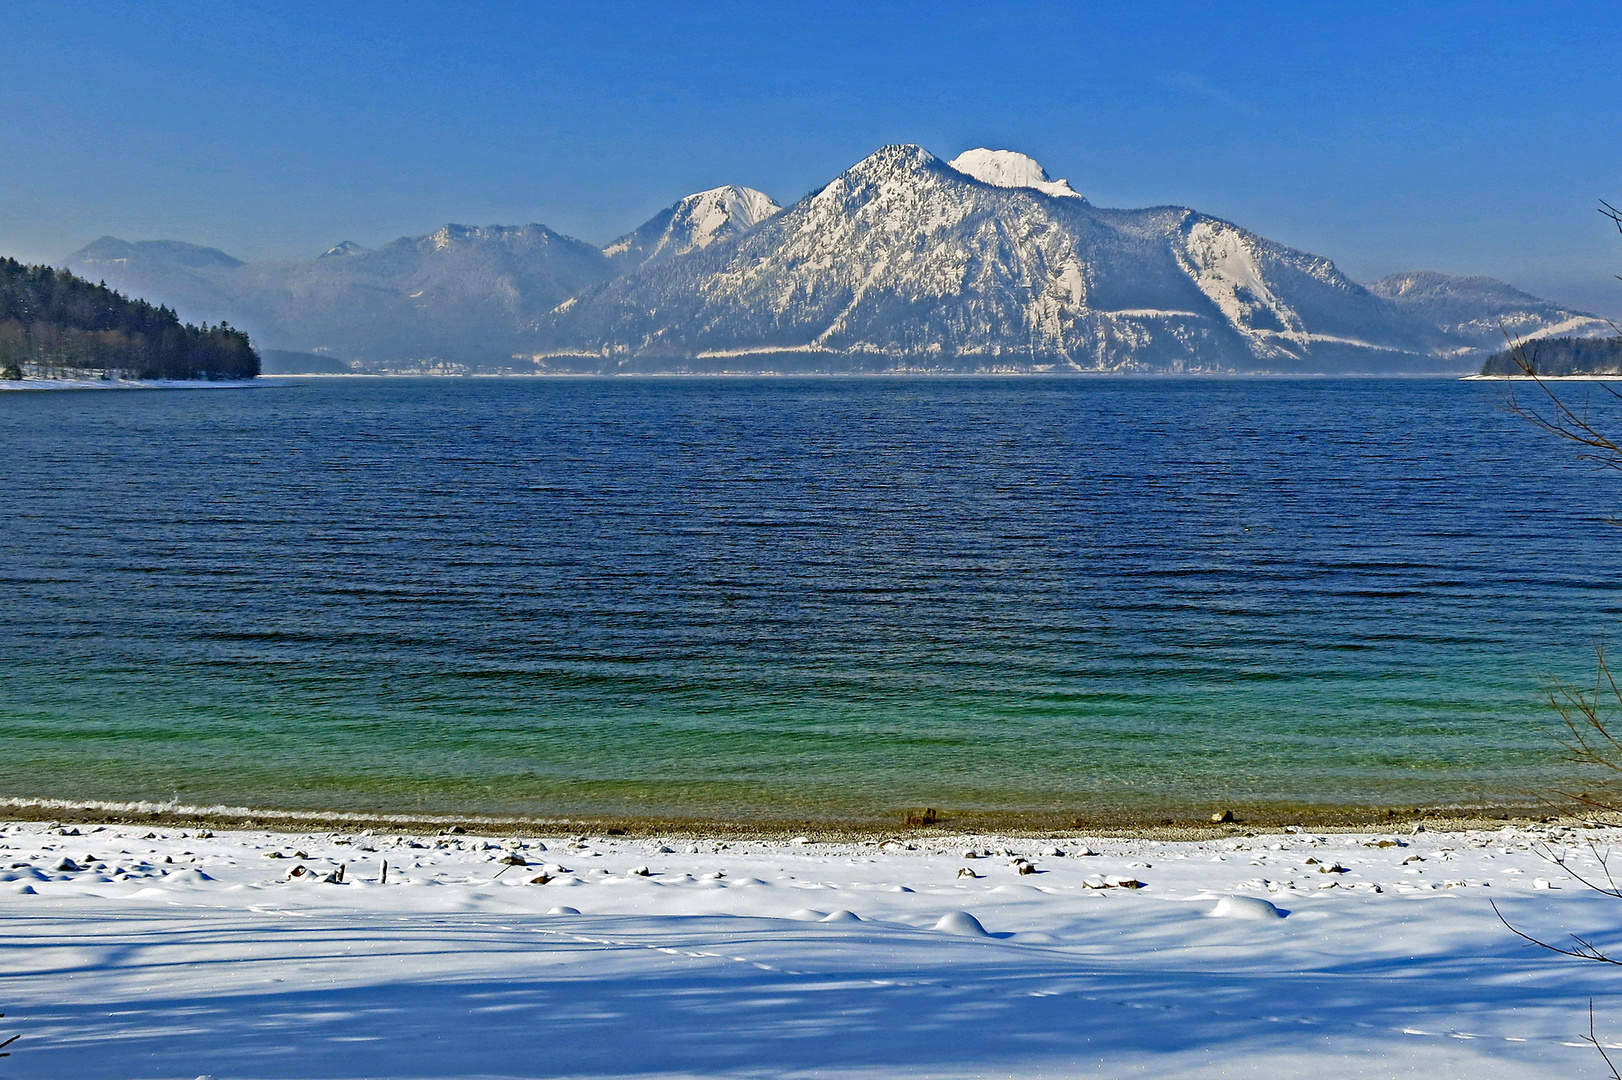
(1557, 357)
(56, 325)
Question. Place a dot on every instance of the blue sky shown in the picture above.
(1468, 138)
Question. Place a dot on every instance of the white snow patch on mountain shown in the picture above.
(1222, 260)
(711, 211)
(1010, 169)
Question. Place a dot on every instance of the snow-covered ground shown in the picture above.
(132, 951)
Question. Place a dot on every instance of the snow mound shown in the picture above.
(1245, 907)
(563, 910)
(842, 916)
(1034, 937)
(187, 877)
(961, 922)
(1010, 169)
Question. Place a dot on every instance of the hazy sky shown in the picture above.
(1468, 138)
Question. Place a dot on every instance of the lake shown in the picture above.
(793, 598)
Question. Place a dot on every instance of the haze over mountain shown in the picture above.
(458, 293)
(903, 262)
(1481, 310)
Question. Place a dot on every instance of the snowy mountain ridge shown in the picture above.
(901, 262)
(906, 261)
(460, 293)
(1482, 310)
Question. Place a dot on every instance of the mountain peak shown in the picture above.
(348, 247)
(711, 210)
(174, 252)
(693, 223)
(1010, 169)
(897, 156)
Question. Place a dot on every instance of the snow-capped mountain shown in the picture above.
(693, 223)
(905, 261)
(1008, 168)
(1481, 310)
(902, 262)
(460, 293)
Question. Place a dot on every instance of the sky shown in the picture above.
(1468, 138)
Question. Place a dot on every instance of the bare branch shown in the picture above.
(1583, 951)
(1613, 213)
(1558, 860)
(1556, 416)
(1594, 1039)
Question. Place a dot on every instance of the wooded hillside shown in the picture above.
(54, 323)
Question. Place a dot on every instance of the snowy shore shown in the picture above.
(123, 384)
(134, 951)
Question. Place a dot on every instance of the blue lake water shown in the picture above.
(792, 598)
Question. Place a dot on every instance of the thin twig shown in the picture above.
(1560, 419)
(1593, 1038)
(1584, 950)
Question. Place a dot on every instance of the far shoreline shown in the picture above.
(43, 385)
(281, 378)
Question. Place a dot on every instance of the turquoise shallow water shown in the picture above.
(791, 597)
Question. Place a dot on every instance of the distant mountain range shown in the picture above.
(902, 262)
(459, 293)
(1482, 310)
